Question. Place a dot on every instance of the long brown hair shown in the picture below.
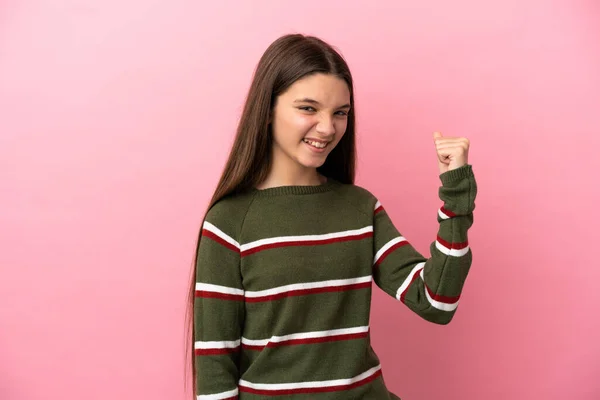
(287, 59)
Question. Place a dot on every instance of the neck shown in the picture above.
(287, 175)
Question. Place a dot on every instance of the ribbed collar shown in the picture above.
(296, 189)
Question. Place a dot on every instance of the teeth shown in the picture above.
(316, 144)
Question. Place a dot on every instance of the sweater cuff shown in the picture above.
(456, 174)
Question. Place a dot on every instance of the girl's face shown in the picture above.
(308, 121)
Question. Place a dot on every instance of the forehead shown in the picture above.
(325, 88)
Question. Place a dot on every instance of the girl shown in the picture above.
(289, 246)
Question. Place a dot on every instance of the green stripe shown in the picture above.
(217, 319)
(289, 315)
(301, 264)
(218, 265)
(296, 363)
(216, 373)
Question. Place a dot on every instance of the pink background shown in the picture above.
(115, 121)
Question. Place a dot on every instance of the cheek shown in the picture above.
(294, 126)
(302, 122)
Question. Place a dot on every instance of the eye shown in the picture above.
(307, 108)
(342, 113)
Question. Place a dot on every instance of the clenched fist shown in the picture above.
(452, 152)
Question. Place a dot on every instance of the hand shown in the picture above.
(452, 152)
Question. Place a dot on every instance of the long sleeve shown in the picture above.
(218, 308)
(431, 287)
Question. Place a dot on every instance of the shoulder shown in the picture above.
(228, 213)
(359, 196)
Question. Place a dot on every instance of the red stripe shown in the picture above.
(216, 238)
(311, 390)
(389, 251)
(378, 210)
(439, 297)
(302, 292)
(451, 245)
(217, 295)
(213, 352)
(252, 347)
(325, 339)
(415, 276)
(306, 243)
(448, 212)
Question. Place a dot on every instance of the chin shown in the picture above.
(312, 163)
(315, 165)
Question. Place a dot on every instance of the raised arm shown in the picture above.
(431, 287)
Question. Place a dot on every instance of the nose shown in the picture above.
(326, 127)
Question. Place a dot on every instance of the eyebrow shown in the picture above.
(312, 101)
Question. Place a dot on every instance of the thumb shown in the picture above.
(437, 135)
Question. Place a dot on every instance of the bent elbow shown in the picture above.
(436, 316)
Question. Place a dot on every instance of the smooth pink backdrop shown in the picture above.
(115, 121)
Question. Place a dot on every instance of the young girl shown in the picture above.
(289, 246)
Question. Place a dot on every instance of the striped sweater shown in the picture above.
(283, 287)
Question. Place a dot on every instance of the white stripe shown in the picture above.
(451, 252)
(210, 227)
(304, 238)
(314, 384)
(218, 396)
(387, 246)
(442, 214)
(218, 289)
(438, 304)
(377, 205)
(305, 335)
(309, 285)
(404, 286)
(217, 345)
